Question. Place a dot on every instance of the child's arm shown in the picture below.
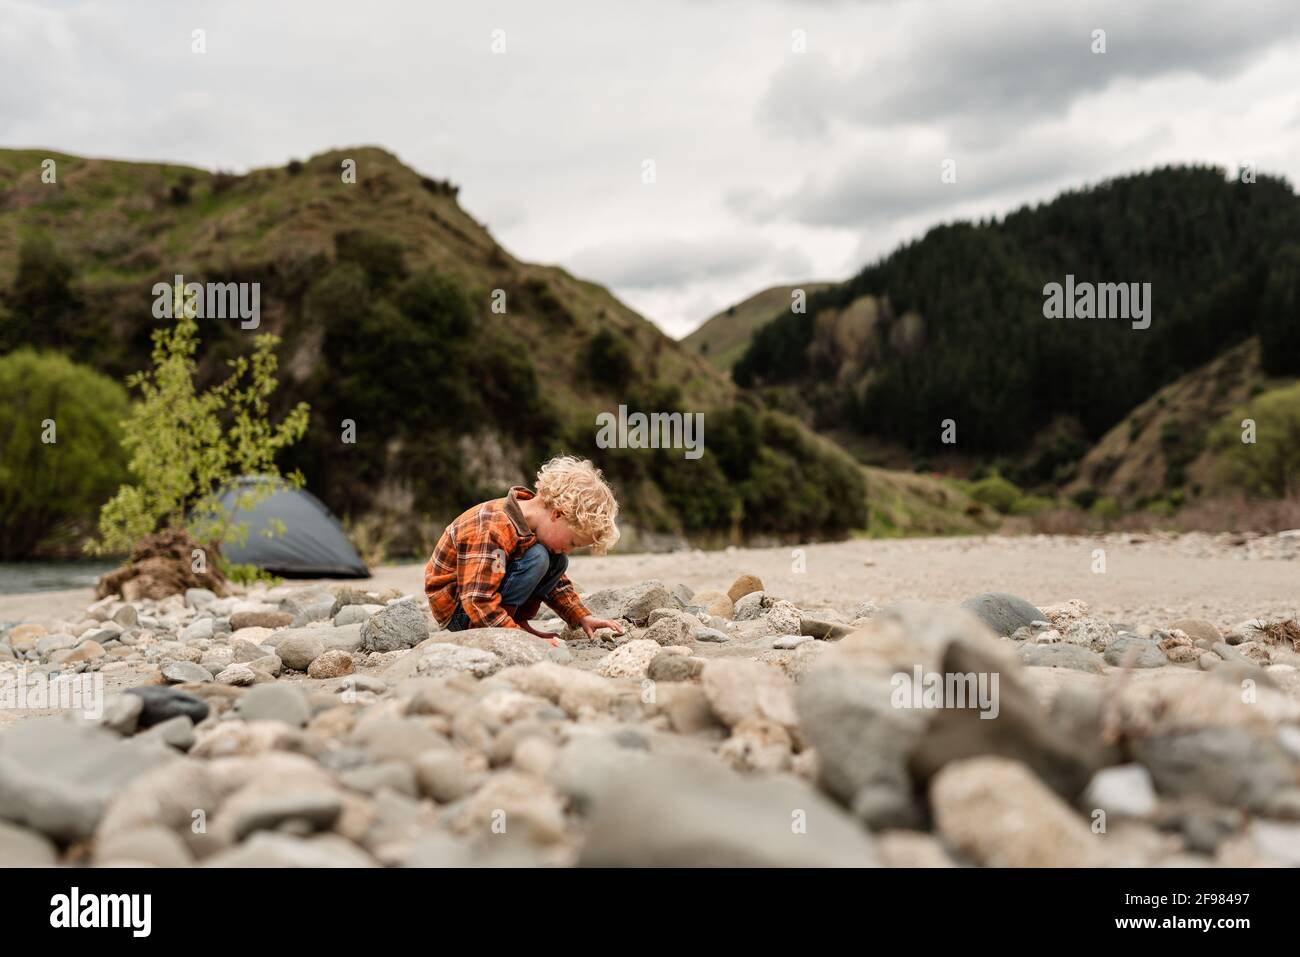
(564, 599)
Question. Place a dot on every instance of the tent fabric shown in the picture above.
(313, 544)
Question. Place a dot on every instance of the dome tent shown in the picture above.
(312, 545)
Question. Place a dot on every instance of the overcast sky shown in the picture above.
(791, 139)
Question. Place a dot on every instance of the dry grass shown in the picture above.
(1285, 631)
(1222, 514)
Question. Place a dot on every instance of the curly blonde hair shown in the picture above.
(577, 489)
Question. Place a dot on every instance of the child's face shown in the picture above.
(555, 532)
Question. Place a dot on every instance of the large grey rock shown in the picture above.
(299, 649)
(998, 813)
(750, 607)
(356, 614)
(300, 599)
(1228, 765)
(122, 713)
(740, 689)
(672, 628)
(47, 644)
(590, 764)
(57, 777)
(1003, 613)
(21, 847)
(513, 646)
(446, 775)
(198, 630)
(1074, 657)
(267, 849)
(181, 672)
(318, 611)
(440, 659)
(178, 732)
(275, 701)
(633, 602)
(153, 846)
(877, 747)
(126, 616)
(403, 624)
(668, 666)
(197, 598)
(318, 809)
(668, 814)
(1146, 653)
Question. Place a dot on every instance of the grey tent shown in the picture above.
(312, 546)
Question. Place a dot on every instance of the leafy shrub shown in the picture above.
(44, 309)
(383, 259)
(1085, 497)
(997, 493)
(609, 359)
(179, 192)
(1270, 466)
(1105, 508)
(436, 303)
(186, 446)
(1032, 505)
(48, 488)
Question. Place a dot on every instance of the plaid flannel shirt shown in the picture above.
(469, 563)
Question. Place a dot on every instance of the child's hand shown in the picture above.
(591, 623)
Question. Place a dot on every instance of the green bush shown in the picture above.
(187, 446)
(52, 488)
(1160, 507)
(609, 359)
(45, 310)
(997, 493)
(382, 258)
(1085, 497)
(1269, 466)
(1032, 505)
(1105, 508)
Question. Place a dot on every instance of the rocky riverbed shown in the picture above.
(330, 726)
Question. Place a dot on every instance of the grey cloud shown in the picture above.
(653, 263)
(892, 182)
(987, 69)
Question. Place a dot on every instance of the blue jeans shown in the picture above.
(529, 578)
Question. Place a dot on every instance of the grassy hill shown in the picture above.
(383, 291)
(1161, 448)
(723, 338)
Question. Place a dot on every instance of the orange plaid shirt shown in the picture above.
(469, 563)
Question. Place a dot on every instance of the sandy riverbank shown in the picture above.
(1145, 581)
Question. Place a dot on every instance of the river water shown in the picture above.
(19, 577)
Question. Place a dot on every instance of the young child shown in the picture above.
(497, 562)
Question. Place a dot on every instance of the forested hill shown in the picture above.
(952, 326)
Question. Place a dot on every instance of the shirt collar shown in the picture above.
(517, 494)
